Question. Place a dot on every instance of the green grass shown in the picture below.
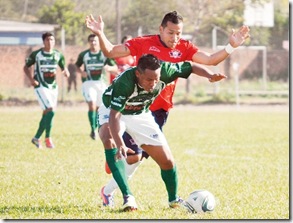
(241, 155)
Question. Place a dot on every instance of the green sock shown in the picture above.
(49, 123)
(41, 127)
(92, 115)
(118, 171)
(171, 182)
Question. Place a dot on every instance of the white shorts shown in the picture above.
(47, 98)
(142, 128)
(93, 91)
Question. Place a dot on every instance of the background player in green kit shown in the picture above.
(126, 108)
(93, 78)
(43, 78)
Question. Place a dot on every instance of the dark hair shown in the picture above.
(125, 38)
(173, 17)
(148, 61)
(46, 34)
(90, 36)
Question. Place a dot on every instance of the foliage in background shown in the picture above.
(63, 13)
(145, 16)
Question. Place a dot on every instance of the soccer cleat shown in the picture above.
(49, 143)
(37, 143)
(129, 203)
(108, 200)
(93, 135)
(107, 168)
(178, 203)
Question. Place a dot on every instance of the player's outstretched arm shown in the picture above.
(235, 40)
(205, 72)
(96, 26)
(108, 49)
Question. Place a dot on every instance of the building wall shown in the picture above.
(12, 59)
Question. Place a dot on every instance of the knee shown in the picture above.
(106, 139)
(170, 164)
(167, 164)
(108, 142)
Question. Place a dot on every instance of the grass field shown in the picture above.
(241, 155)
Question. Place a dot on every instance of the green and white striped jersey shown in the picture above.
(126, 96)
(45, 68)
(94, 64)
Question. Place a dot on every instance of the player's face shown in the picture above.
(149, 79)
(94, 43)
(49, 43)
(171, 34)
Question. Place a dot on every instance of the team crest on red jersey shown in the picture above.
(175, 53)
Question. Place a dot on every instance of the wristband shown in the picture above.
(229, 49)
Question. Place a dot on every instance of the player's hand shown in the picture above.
(84, 74)
(34, 83)
(96, 27)
(217, 77)
(122, 152)
(66, 72)
(237, 38)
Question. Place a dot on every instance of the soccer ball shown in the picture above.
(201, 201)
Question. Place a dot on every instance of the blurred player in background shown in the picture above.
(167, 46)
(72, 78)
(43, 78)
(93, 78)
(123, 62)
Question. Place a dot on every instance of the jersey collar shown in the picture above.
(162, 42)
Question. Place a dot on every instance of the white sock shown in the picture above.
(130, 169)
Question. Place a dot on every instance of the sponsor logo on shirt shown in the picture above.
(119, 99)
(105, 117)
(155, 136)
(133, 107)
(175, 53)
(153, 48)
(116, 104)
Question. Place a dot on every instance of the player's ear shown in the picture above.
(161, 29)
(137, 73)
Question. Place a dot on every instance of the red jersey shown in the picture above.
(152, 44)
(123, 63)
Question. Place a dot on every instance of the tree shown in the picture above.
(280, 31)
(145, 15)
(62, 13)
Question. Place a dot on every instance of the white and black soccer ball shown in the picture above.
(201, 201)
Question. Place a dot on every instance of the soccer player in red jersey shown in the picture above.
(167, 46)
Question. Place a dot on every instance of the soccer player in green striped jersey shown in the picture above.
(43, 78)
(94, 79)
(126, 105)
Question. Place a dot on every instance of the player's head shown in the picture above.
(148, 72)
(93, 41)
(171, 29)
(48, 40)
(172, 17)
(90, 36)
(125, 38)
(47, 34)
